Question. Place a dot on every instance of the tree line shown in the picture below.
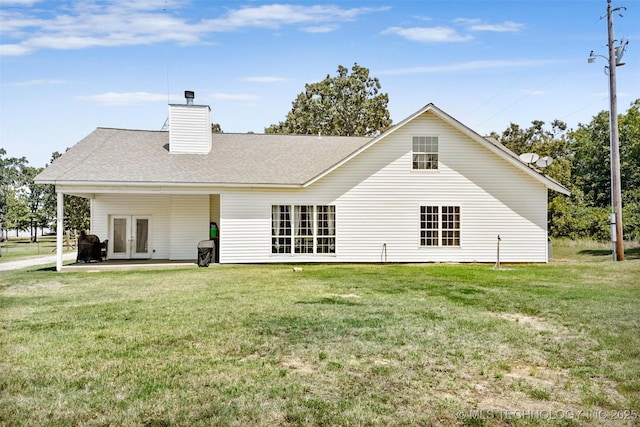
(27, 206)
(582, 164)
(351, 104)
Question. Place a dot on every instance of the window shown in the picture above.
(450, 226)
(429, 226)
(326, 236)
(280, 229)
(303, 229)
(425, 152)
(439, 229)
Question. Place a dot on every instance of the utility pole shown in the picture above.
(614, 59)
(616, 186)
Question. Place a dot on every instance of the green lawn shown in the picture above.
(20, 248)
(333, 345)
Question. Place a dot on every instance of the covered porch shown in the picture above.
(144, 226)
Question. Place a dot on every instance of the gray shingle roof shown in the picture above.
(134, 156)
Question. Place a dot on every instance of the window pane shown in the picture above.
(303, 226)
(429, 225)
(302, 229)
(280, 229)
(450, 226)
(425, 152)
(303, 220)
(326, 226)
(119, 235)
(142, 235)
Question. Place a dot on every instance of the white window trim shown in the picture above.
(314, 236)
(440, 230)
(420, 170)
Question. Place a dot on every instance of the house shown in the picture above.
(427, 190)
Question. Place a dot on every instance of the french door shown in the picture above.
(129, 237)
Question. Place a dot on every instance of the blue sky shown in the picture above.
(67, 67)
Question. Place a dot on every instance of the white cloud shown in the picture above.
(277, 15)
(505, 27)
(320, 29)
(234, 96)
(14, 50)
(123, 98)
(428, 34)
(140, 22)
(466, 66)
(40, 82)
(265, 79)
(478, 25)
(5, 3)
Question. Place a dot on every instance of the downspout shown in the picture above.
(59, 229)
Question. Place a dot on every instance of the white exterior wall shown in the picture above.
(189, 225)
(189, 129)
(177, 222)
(378, 196)
(156, 207)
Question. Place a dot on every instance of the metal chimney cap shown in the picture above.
(189, 95)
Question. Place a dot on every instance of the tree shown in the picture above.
(346, 105)
(554, 143)
(10, 179)
(77, 210)
(592, 165)
(17, 212)
(34, 195)
(581, 163)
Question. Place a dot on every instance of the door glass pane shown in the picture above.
(142, 235)
(119, 235)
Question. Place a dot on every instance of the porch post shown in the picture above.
(59, 229)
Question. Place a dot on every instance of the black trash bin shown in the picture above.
(206, 250)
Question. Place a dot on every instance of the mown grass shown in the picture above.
(331, 345)
(16, 248)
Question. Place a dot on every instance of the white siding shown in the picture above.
(189, 225)
(189, 129)
(156, 207)
(377, 198)
(177, 222)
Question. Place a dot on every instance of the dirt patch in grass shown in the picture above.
(536, 392)
(534, 322)
(538, 324)
(296, 364)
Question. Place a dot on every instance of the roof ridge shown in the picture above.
(129, 130)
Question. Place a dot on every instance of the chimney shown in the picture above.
(189, 95)
(189, 127)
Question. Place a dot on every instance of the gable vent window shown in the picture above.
(303, 229)
(425, 153)
(439, 226)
